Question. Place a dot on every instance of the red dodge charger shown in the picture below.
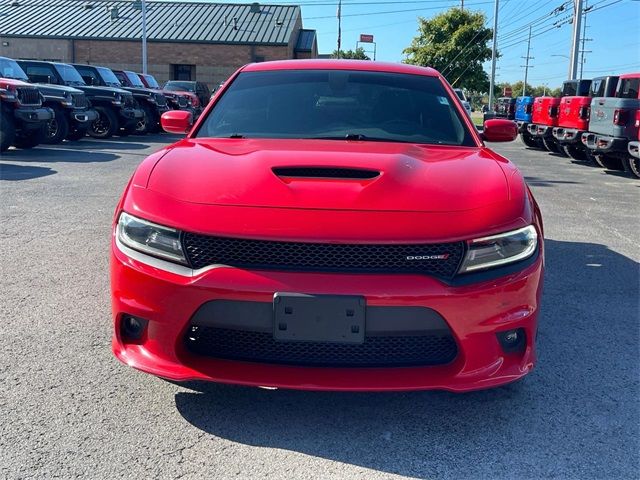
(329, 225)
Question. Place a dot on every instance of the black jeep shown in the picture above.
(72, 114)
(116, 108)
(152, 102)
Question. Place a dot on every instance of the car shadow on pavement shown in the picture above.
(11, 172)
(50, 155)
(112, 144)
(574, 416)
(543, 182)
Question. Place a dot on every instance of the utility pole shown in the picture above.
(462, 5)
(494, 50)
(526, 65)
(575, 46)
(584, 37)
(339, 15)
(144, 36)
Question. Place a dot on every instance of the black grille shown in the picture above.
(203, 250)
(182, 101)
(389, 351)
(79, 100)
(128, 101)
(323, 172)
(161, 100)
(28, 96)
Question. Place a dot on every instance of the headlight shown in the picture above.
(496, 250)
(8, 95)
(68, 99)
(117, 98)
(151, 98)
(147, 237)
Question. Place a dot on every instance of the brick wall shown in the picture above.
(214, 63)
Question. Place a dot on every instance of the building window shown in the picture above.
(184, 72)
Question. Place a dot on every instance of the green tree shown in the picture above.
(455, 44)
(357, 54)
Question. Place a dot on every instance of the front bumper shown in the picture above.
(84, 115)
(474, 313)
(33, 117)
(605, 144)
(131, 113)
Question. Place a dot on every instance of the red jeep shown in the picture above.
(543, 119)
(614, 123)
(23, 120)
(573, 119)
(546, 113)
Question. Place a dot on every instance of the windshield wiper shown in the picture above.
(359, 137)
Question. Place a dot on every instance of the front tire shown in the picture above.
(7, 131)
(147, 123)
(106, 125)
(632, 166)
(57, 128)
(32, 138)
(76, 134)
(127, 130)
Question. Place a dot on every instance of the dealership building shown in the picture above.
(185, 40)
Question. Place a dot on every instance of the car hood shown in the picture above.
(98, 90)
(240, 172)
(139, 90)
(6, 82)
(57, 90)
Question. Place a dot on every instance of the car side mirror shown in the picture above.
(177, 121)
(499, 130)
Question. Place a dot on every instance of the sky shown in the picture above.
(612, 26)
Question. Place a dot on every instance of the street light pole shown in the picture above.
(144, 36)
(494, 54)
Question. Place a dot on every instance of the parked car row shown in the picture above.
(595, 121)
(48, 102)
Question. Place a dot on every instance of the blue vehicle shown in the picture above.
(524, 111)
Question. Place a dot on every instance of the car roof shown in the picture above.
(356, 65)
(630, 75)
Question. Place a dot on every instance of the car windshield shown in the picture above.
(180, 86)
(337, 105)
(108, 77)
(134, 79)
(69, 74)
(151, 81)
(10, 69)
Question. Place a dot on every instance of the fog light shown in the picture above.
(132, 327)
(513, 340)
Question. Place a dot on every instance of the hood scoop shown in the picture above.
(326, 172)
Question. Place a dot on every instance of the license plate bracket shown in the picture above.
(318, 318)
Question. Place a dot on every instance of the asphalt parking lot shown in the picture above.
(69, 409)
